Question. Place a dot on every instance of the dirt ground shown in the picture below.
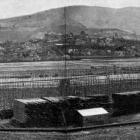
(117, 133)
(129, 132)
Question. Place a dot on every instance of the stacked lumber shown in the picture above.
(100, 100)
(100, 97)
(38, 112)
(74, 102)
(59, 107)
(77, 103)
(31, 111)
(60, 102)
(52, 111)
(127, 101)
(64, 109)
(87, 102)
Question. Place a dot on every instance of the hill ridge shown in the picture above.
(78, 18)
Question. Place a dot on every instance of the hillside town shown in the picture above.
(57, 46)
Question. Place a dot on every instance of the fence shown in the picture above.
(81, 82)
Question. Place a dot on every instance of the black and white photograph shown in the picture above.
(69, 69)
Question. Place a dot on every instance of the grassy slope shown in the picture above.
(77, 18)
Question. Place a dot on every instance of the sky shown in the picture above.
(12, 8)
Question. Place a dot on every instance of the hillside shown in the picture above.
(77, 18)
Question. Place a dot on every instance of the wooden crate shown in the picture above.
(127, 101)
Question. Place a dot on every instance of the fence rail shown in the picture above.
(83, 82)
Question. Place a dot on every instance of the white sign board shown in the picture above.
(93, 111)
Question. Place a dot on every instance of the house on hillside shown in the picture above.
(119, 53)
(93, 40)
